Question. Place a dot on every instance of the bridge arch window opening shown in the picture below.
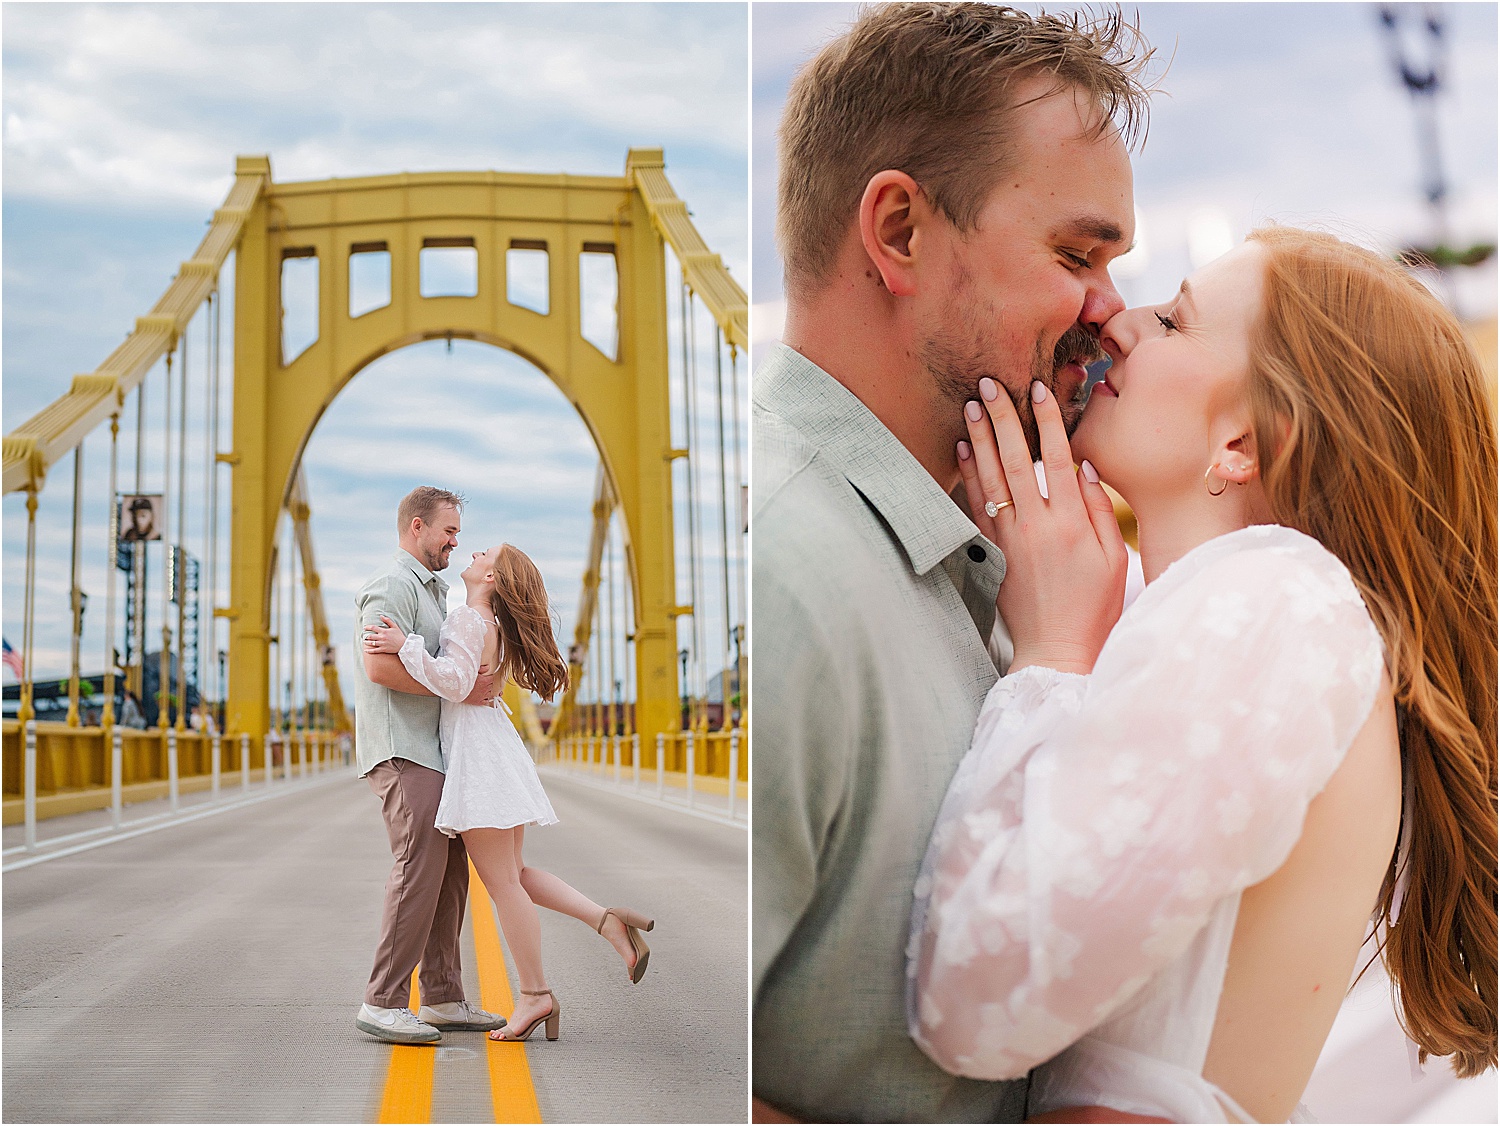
(706, 432)
(369, 277)
(448, 267)
(527, 275)
(599, 297)
(299, 301)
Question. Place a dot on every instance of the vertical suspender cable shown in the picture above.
(107, 718)
(28, 621)
(205, 570)
(26, 713)
(690, 378)
(213, 523)
(164, 676)
(700, 576)
(632, 690)
(742, 525)
(687, 441)
(596, 647)
(277, 598)
(135, 677)
(180, 555)
(293, 640)
(723, 527)
(73, 589)
(609, 559)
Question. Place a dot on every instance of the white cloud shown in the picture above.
(150, 101)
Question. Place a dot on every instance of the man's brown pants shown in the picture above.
(425, 895)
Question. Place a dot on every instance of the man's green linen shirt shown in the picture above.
(874, 596)
(387, 723)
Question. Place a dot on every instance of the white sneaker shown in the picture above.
(460, 1016)
(399, 1026)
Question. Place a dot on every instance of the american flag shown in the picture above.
(12, 660)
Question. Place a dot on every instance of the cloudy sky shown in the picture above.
(121, 123)
(1268, 111)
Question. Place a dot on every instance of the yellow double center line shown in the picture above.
(408, 1082)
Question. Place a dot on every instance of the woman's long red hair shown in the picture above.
(1376, 407)
(528, 650)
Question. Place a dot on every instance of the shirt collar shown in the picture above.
(923, 518)
(424, 576)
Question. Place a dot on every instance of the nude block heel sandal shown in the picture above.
(634, 922)
(553, 1019)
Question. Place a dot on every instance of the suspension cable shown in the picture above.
(179, 558)
(210, 478)
(135, 674)
(293, 639)
(221, 695)
(74, 640)
(609, 555)
(164, 675)
(26, 712)
(276, 597)
(742, 525)
(723, 528)
(112, 546)
(697, 680)
(627, 615)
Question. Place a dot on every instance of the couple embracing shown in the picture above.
(1029, 848)
(454, 779)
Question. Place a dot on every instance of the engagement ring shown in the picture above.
(992, 508)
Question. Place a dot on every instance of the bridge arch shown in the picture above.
(624, 402)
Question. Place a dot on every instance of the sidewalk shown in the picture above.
(670, 791)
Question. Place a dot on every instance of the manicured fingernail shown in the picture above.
(1090, 474)
(964, 452)
(1038, 391)
(973, 411)
(989, 389)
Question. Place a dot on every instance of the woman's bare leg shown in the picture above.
(496, 856)
(556, 894)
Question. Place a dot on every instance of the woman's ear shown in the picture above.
(892, 211)
(1237, 461)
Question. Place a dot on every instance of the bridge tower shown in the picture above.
(624, 401)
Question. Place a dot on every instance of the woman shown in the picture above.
(491, 790)
(1161, 856)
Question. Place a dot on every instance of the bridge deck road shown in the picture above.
(211, 971)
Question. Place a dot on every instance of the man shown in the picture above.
(396, 740)
(954, 183)
(142, 523)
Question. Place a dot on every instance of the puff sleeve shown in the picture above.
(1097, 820)
(452, 672)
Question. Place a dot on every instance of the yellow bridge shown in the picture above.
(652, 696)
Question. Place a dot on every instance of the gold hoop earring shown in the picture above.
(1223, 482)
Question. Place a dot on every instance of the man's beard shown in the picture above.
(960, 353)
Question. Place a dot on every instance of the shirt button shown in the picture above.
(976, 553)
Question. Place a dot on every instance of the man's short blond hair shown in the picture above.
(424, 502)
(923, 88)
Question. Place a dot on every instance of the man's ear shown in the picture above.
(891, 213)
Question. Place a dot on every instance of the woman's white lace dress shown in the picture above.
(491, 780)
(1079, 895)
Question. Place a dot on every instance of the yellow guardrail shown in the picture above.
(73, 764)
(699, 762)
